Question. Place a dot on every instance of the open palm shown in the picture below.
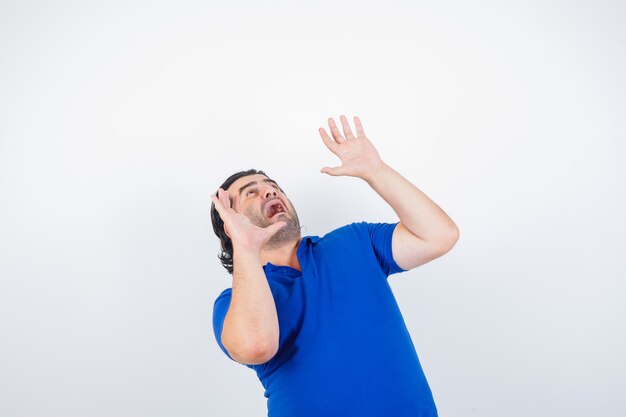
(358, 156)
(239, 227)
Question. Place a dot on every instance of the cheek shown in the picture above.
(251, 210)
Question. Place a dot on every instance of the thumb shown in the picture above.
(333, 171)
(273, 228)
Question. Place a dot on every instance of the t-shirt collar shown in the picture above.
(306, 240)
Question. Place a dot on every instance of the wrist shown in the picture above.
(375, 172)
(247, 253)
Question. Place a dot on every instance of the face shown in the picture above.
(263, 202)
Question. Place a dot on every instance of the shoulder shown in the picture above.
(360, 229)
(223, 298)
(356, 233)
(348, 229)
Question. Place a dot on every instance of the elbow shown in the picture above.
(261, 353)
(449, 240)
(456, 234)
(253, 353)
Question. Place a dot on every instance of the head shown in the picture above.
(255, 195)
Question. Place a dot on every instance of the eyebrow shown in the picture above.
(251, 183)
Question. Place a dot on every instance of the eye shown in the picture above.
(250, 192)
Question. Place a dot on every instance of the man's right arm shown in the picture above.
(250, 332)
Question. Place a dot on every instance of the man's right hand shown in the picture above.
(239, 228)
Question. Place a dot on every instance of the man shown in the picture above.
(315, 317)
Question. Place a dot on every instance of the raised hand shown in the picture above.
(358, 156)
(239, 228)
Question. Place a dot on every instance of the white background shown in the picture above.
(118, 119)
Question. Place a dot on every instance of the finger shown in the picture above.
(273, 228)
(224, 198)
(219, 198)
(227, 231)
(235, 202)
(346, 127)
(359, 127)
(218, 205)
(333, 171)
(335, 132)
(330, 144)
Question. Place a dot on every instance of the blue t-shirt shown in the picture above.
(344, 349)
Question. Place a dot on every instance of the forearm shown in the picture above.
(251, 323)
(416, 211)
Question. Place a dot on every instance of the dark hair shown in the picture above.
(226, 256)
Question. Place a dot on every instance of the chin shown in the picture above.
(287, 234)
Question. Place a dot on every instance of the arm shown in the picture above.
(425, 231)
(250, 332)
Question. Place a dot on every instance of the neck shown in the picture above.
(285, 255)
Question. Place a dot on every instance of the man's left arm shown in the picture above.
(425, 231)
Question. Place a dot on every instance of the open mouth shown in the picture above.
(274, 208)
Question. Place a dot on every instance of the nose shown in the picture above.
(269, 191)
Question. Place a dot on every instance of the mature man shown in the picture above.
(315, 317)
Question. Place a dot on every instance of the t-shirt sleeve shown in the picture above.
(220, 308)
(380, 236)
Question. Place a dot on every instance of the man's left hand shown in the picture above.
(358, 156)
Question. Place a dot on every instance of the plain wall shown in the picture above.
(118, 119)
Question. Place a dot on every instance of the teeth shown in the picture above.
(275, 209)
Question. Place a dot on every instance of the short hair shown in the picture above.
(226, 255)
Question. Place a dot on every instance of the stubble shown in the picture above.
(286, 234)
